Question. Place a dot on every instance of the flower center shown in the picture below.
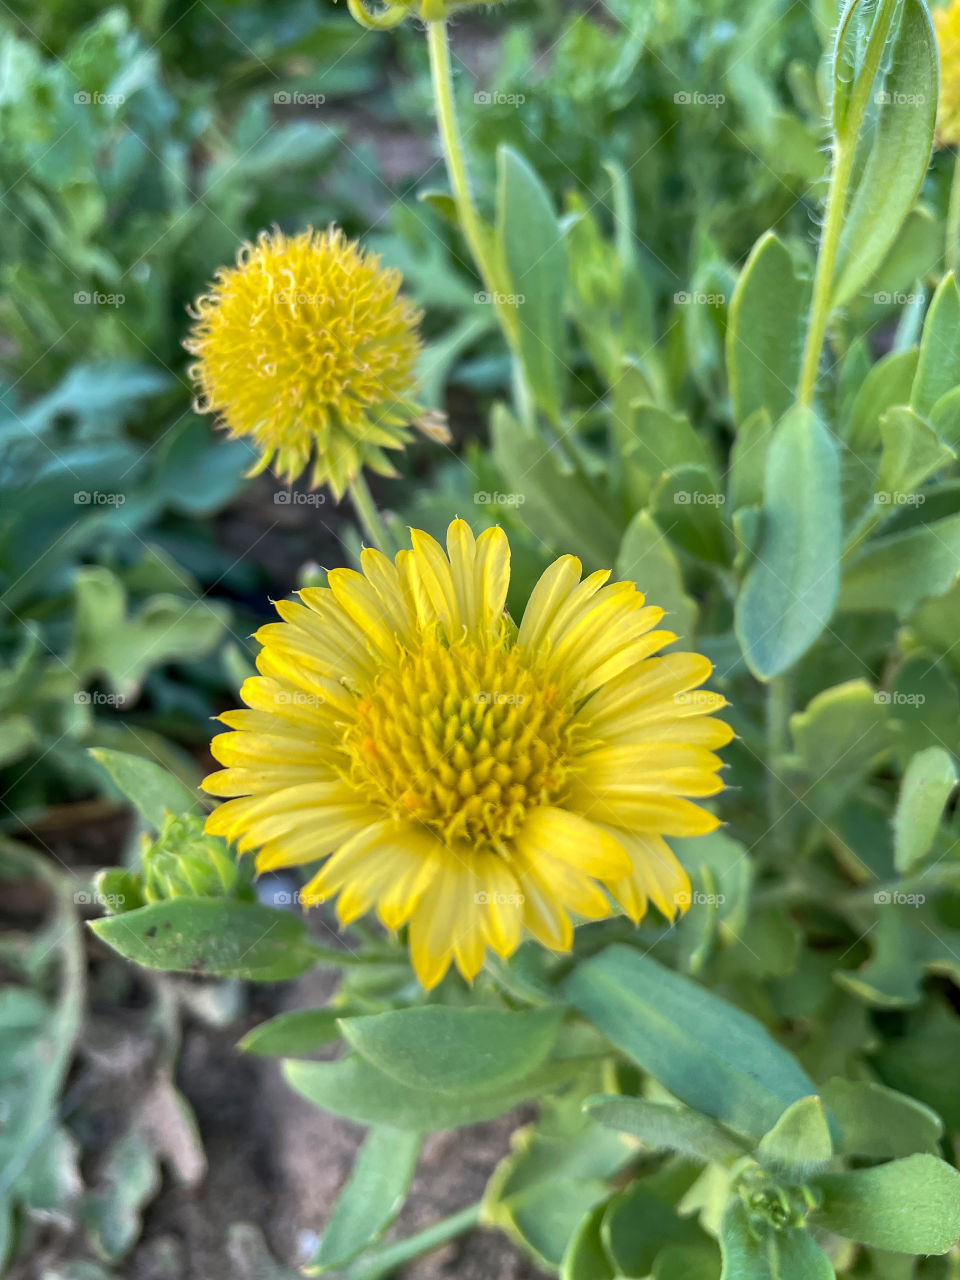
(465, 739)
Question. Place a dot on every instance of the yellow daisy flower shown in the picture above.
(946, 22)
(307, 348)
(469, 777)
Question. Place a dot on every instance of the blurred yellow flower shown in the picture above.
(946, 22)
(307, 348)
(381, 17)
(469, 777)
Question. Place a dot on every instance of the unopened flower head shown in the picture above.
(307, 348)
(459, 774)
(946, 21)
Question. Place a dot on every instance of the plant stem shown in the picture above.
(382, 1261)
(474, 231)
(845, 148)
(370, 518)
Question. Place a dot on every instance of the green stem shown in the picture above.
(845, 148)
(953, 219)
(370, 518)
(384, 1260)
(474, 231)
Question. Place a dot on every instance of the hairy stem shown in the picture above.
(474, 231)
(370, 518)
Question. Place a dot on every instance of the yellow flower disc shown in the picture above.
(475, 780)
(946, 22)
(307, 348)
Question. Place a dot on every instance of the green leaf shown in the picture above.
(938, 368)
(217, 937)
(586, 1258)
(153, 790)
(766, 330)
(759, 1252)
(554, 500)
(896, 572)
(659, 441)
(638, 1224)
(370, 1201)
(791, 588)
(557, 1171)
(288, 1035)
(709, 1054)
(124, 648)
(907, 1206)
(894, 148)
(665, 1127)
(929, 779)
(879, 1122)
(130, 1179)
(455, 1051)
(531, 244)
(748, 459)
(687, 505)
(800, 1140)
(647, 559)
(838, 739)
(911, 453)
(352, 1088)
(945, 418)
(887, 384)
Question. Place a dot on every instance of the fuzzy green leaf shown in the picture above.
(907, 1206)
(766, 329)
(217, 937)
(455, 1051)
(790, 590)
(709, 1054)
(930, 778)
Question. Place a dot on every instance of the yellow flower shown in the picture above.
(468, 777)
(946, 22)
(307, 348)
(381, 18)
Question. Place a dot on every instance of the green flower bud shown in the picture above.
(393, 12)
(184, 862)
